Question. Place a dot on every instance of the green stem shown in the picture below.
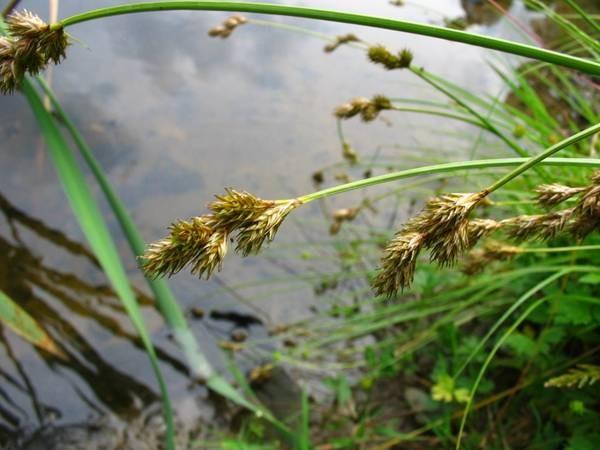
(446, 167)
(485, 122)
(580, 248)
(433, 112)
(503, 45)
(544, 155)
(585, 16)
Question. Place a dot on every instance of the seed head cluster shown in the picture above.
(368, 109)
(378, 54)
(202, 242)
(445, 229)
(550, 195)
(226, 28)
(30, 47)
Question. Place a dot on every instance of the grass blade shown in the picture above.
(92, 223)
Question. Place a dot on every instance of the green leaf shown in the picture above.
(87, 213)
(521, 344)
(15, 317)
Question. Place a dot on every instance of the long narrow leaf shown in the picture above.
(92, 223)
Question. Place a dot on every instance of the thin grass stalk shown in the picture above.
(442, 168)
(503, 45)
(585, 16)
(571, 140)
(486, 123)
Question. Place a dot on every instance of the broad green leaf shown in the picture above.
(15, 317)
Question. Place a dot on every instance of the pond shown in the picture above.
(174, 117)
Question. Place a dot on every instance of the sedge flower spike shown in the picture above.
(202, 242)
(443, 227)
(398, 263)
(31, 45)
(553, 194)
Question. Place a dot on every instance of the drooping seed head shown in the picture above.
(251, 235)
(398, 263)
(51, 43)
(552, 194)
(236, 208)
(185, 244)
(445, 213)
(479, 228)
(541, 227)
(31, 46)
(11, 71)
(445, 223)
(212, 254)
(589, 203)
(26, 24)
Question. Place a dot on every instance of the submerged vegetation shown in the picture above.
(490, 342)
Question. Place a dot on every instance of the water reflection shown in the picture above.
(93, 311)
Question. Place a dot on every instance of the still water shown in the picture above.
(174, 117)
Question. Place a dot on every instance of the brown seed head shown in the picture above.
(31, 46)
(542, 226)
(368, 109)
(185, 244)
(479, 228)
(589, 203)
(26, 24)
(445, 213)
(226, 28)
(346, 214)
(11, 71)
(552, 194)
(236, 208)
(398, 263)
(212, 254)
(253, 233)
